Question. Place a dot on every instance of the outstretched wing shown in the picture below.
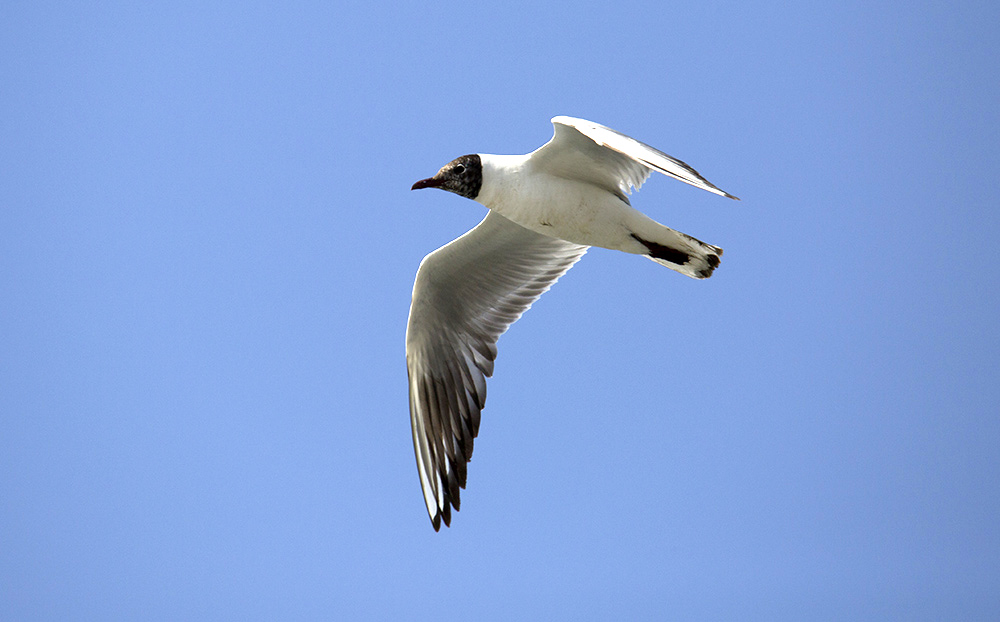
(466, 294)
(590, 152)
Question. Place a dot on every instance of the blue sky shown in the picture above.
(207, 249)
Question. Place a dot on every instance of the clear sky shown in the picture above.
(207, 249)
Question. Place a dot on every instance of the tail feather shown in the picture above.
(683, 253)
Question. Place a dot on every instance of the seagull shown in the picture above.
(546, 209)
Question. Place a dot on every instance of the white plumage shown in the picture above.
(546, 209)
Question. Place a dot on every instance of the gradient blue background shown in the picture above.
(207, 248)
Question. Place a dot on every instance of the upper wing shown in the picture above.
(467, 293)
(588, 151)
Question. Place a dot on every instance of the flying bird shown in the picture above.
(546, 209)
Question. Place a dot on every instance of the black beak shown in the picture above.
(427, 183)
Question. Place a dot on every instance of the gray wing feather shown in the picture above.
(591, 152)
(466, 294)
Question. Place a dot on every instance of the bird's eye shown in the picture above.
(459, 169)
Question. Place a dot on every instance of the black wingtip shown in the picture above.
(666, 253)
(713, 263)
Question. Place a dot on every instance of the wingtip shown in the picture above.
(441, 516)
(717, 190)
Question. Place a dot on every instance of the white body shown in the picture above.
(546, 209)
(567, 209)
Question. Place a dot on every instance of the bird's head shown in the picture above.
(463, 176)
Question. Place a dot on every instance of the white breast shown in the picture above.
(567, 209)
